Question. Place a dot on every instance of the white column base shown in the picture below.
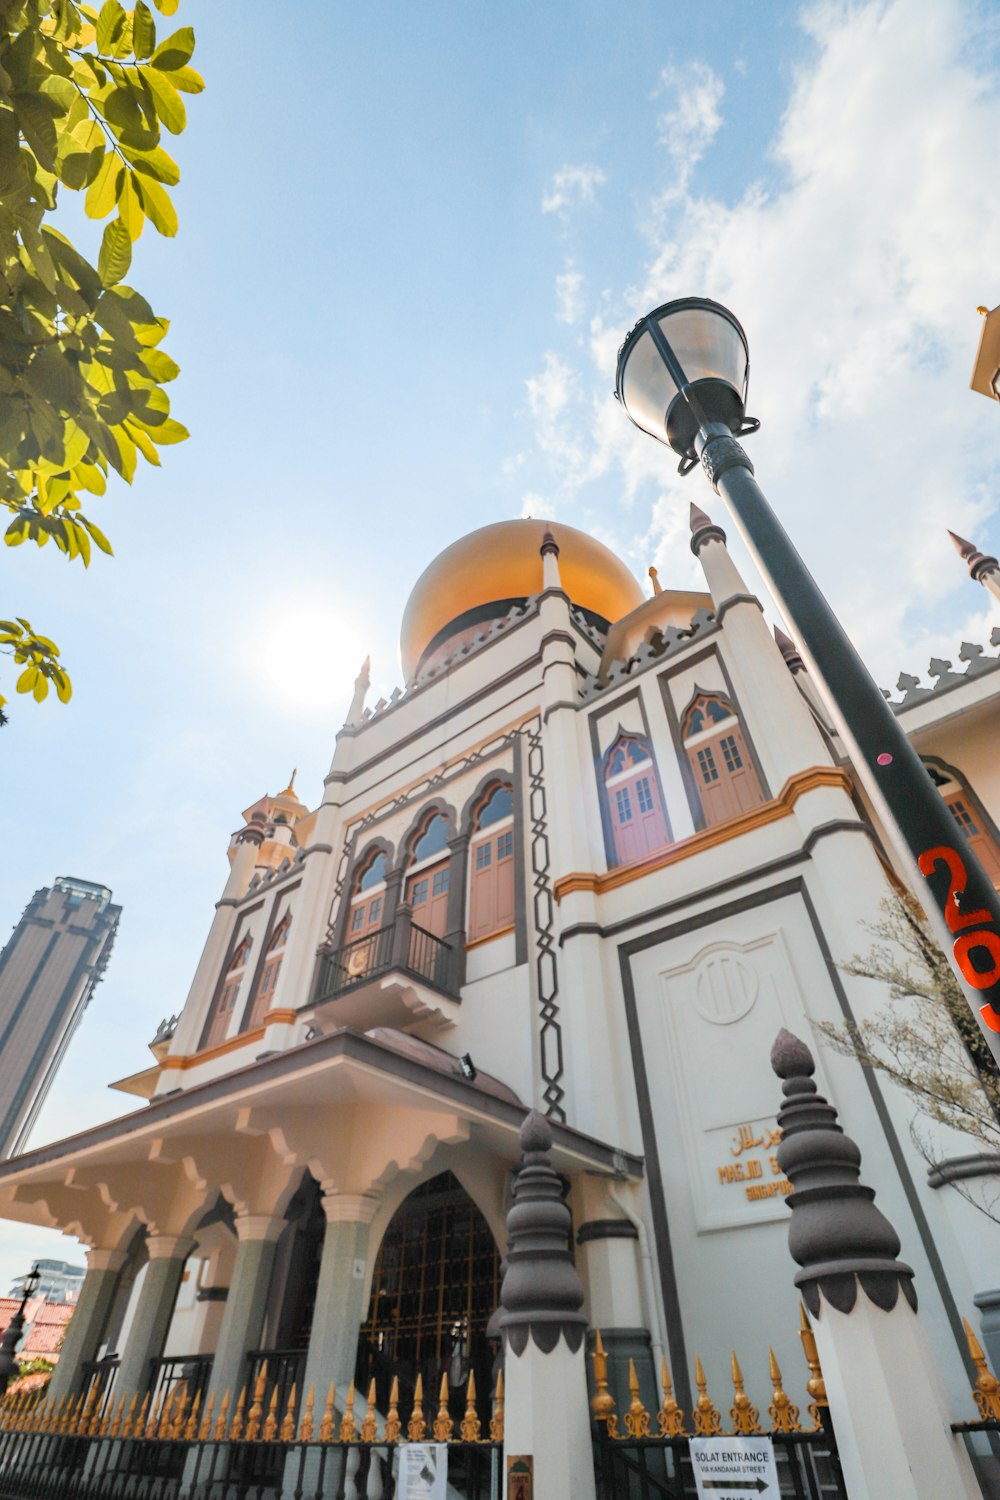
(547, 1415)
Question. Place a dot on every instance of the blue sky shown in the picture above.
(412, 238)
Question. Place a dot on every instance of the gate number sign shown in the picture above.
(734, 1468)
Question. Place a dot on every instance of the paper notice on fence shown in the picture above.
(423, 1471)
(734, 1468)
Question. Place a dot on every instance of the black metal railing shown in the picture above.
(98, 1377)
(403, 945)
(170, 1376)
(53, 1466)
(659, 1468)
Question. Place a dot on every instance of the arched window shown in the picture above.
(368, 900)
(724, 774)
(428, 876)
(638, 821)
(273, 956)
(968, 817)
(491, 865)
(226, 1003)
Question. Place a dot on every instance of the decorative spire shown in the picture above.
(980, 566)
(703, 529)
(551, 577)
(541, 1293)
(657, 588)
(790, 652)
(549, 544)
(363, 678)
(362, 683)
(837, 1235)
(290, 788)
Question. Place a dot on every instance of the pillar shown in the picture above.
(982, 569)
(243, 1319)
(547, 1416)
(85, 1329)
(153, 1311)
(887, 1401)
(333, 1338)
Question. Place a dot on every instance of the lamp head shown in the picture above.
(685, 364)
(31, 1281)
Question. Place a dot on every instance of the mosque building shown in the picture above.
(595, 855)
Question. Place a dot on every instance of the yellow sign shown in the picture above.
(520, 1476)
(755, 1171)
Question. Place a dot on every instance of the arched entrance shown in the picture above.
(435, 1287)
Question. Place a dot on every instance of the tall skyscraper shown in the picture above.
(48, 970)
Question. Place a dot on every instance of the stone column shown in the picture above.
(333, 1338)
(86, 1327)
(887, 1400)
(545, 1385)
(153, 1311)
(246, 1303)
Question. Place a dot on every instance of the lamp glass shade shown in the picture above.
(711, 349)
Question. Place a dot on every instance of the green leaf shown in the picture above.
(169, 104)
(187, 80)
(156, 202)
(116, 253)
(175, 51)
(41, 688)
(98, 536)
(110, 25)
(143, 30)
(27, 679)
(155, 163)
(34, 114)
(167, 7)
(104, 190)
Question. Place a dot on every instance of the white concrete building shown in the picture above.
(591, 860)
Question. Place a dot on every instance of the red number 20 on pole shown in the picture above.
(966, 943)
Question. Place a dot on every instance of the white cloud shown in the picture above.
(857, 278)
(690, 126)
(569, 294)
(572, 186)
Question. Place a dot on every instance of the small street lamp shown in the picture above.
(682, 377)
(986, 371)
(12, 1333)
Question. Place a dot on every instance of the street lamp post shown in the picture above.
(682, 377)
(14, 1329)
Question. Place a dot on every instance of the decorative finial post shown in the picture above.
(361, 685)
(789, 652)
(551, 577)
(982, 568)
(704, 529)
(886, 1398)
(655, 578)
(547, 1414)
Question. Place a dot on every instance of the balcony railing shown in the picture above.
(402, 946)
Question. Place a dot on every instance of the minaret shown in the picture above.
(781, 722)
(362, 683)
(984, 570)
(793, 661)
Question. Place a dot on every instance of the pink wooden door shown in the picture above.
(982, 844)
(427, 893)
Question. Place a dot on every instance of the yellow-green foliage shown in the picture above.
(85, 96)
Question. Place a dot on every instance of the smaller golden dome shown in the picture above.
(497, 565)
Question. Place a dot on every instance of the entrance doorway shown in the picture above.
(435, 1287)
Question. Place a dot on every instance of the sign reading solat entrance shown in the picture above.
(734, 1468)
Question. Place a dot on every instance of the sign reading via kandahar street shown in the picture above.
(734, 1468)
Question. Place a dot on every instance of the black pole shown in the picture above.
(953, 887)
(11, 1337)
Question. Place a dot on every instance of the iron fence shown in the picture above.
(50, 1466)
(401, 945)
(659, 1468)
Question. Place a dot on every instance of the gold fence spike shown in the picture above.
(393, 1426)
(222, 1421)
(104, 1425)
(671, 1418)
(603, 1404)
(288, 1421)
(306, 1425)
(236, 1426)
(986, 1391)
(271, 1424)
(496, 1421)
(637, 1417)
(745, 1416)
(139, 1426)
(443, 1425)
(348, 1426)
(369, 1425)
(326, 1425)
(707, 1418)
(90, 1417)
(78, 1417)
(783, 1412)
(126, 1428)
(174, 1420)
(470, 1427)
(191, 1427)
(155, 1412)
(416, 1427)
(205, 1430)
(256, 1405)
(815, 1385)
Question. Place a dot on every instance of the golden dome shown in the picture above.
(500, 564)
